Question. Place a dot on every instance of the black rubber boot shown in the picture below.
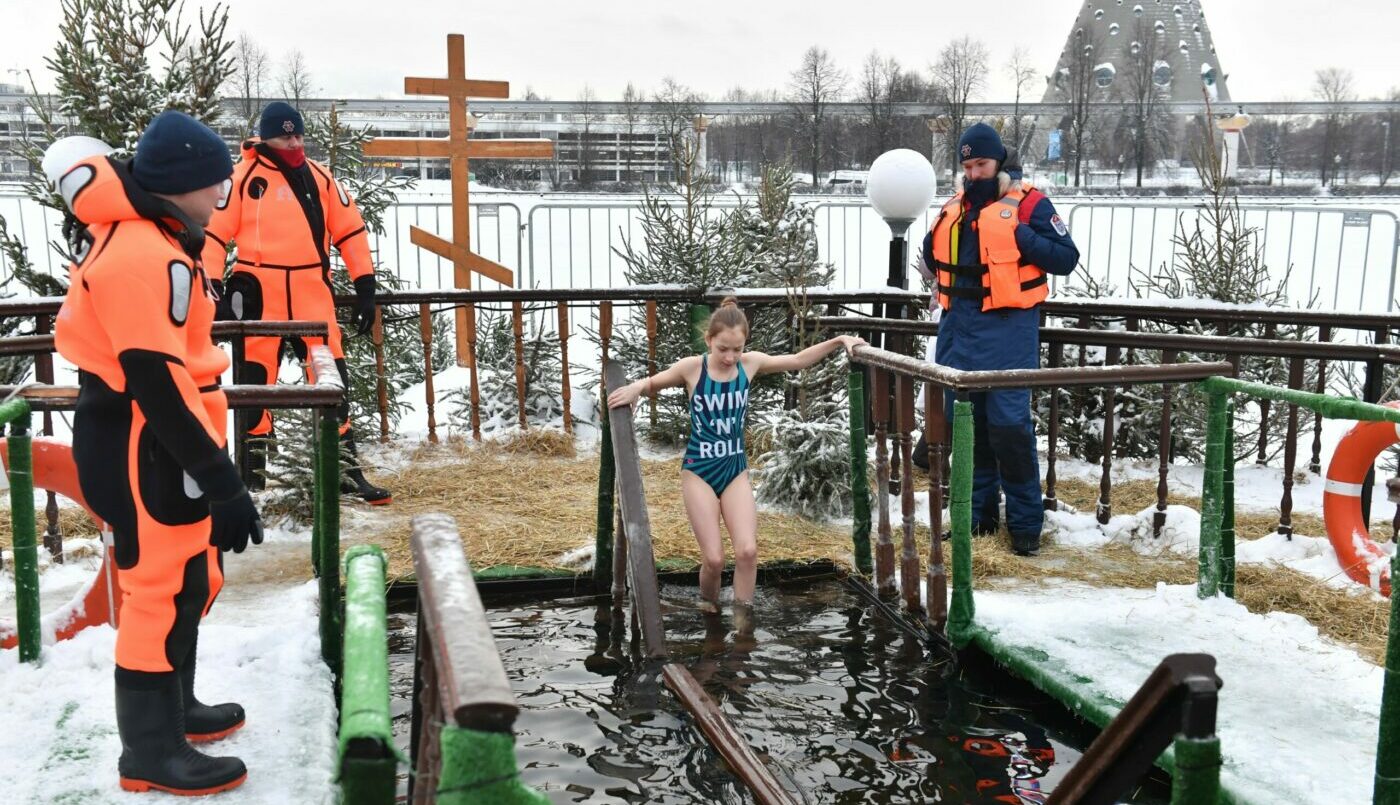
(204, 722)
(1026, 544)
(155, 754)
(354, 482)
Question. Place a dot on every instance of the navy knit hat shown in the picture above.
(278, 120)
(981, 141)
(178, 154)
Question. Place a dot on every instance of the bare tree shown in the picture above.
(811, 87)
(249, 77)
(1079, 84)
(678, 106)
(880, 80)
(296, 78)
(1145, 94)
(631, 116)
(586, 154)
(1333, 85)
(1388, 124)
(959, 74)
(1022, 72)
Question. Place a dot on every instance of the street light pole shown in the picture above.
(901, 187)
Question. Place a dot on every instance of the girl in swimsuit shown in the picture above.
(714, 471)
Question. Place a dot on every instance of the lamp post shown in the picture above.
(901, 186)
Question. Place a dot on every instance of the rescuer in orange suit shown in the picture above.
(149, 434)
(284, 215)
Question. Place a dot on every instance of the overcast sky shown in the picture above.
(364, 48)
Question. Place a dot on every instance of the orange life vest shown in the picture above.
(1006, 281)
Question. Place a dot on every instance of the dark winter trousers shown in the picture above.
(1004, 459)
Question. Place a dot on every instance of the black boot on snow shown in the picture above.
(155, 754)
(205, 722)
(353, 482)
(1026, 544)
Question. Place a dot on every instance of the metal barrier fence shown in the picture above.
(1335, 255)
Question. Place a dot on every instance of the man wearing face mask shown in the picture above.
(284, 215)
(989, 251)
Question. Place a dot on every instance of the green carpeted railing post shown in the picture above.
(860, 476)
(479, 768)
(26, 550)
(1212, 494)
(961, 611)
(1196, 777)
(327, 527)
(607, 488)
(1227, 515)
(1387, 787)
(368, 761)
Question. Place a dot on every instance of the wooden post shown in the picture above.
(1055, 359)
(884, 547)
(458, 150)
(1164, 450)
(518, 312)
(909, 570)
(425, 329)
(605, 328)
(1324, 335)
(43, 372)
(469, 314)
(935, 425)
(1110, 401)
(1290, 451)
(1270, 332)
(651, 353)
(564, 366)
(381, 385)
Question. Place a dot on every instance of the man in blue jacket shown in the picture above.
(989, 253)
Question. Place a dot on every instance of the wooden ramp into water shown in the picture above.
(646, 609)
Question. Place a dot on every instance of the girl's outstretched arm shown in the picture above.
(772, 364)
(668, 378)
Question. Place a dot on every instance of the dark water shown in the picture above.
(845, 706)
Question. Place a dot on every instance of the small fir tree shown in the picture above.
(499, 396)
(686, 240)
(806, 467)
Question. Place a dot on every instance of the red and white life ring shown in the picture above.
(1360, 557)
(99, 600)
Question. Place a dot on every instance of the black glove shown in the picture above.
(363, 317)
(235, 521)
(234, 517)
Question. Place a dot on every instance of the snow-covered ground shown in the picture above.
(60, 744)
(1297, 714)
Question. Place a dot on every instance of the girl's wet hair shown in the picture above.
(725, 316)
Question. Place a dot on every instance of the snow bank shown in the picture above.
(1298, 714)
(61, 743)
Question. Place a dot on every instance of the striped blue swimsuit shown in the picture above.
(715, 451)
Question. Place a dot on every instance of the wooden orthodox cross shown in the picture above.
(459, 149)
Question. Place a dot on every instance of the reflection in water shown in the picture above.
(843, 705)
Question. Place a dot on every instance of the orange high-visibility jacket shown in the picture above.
(273, 228)
(1006, 281)
(136, 288)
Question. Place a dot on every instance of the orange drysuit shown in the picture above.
(284, 222)
(149, 432)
